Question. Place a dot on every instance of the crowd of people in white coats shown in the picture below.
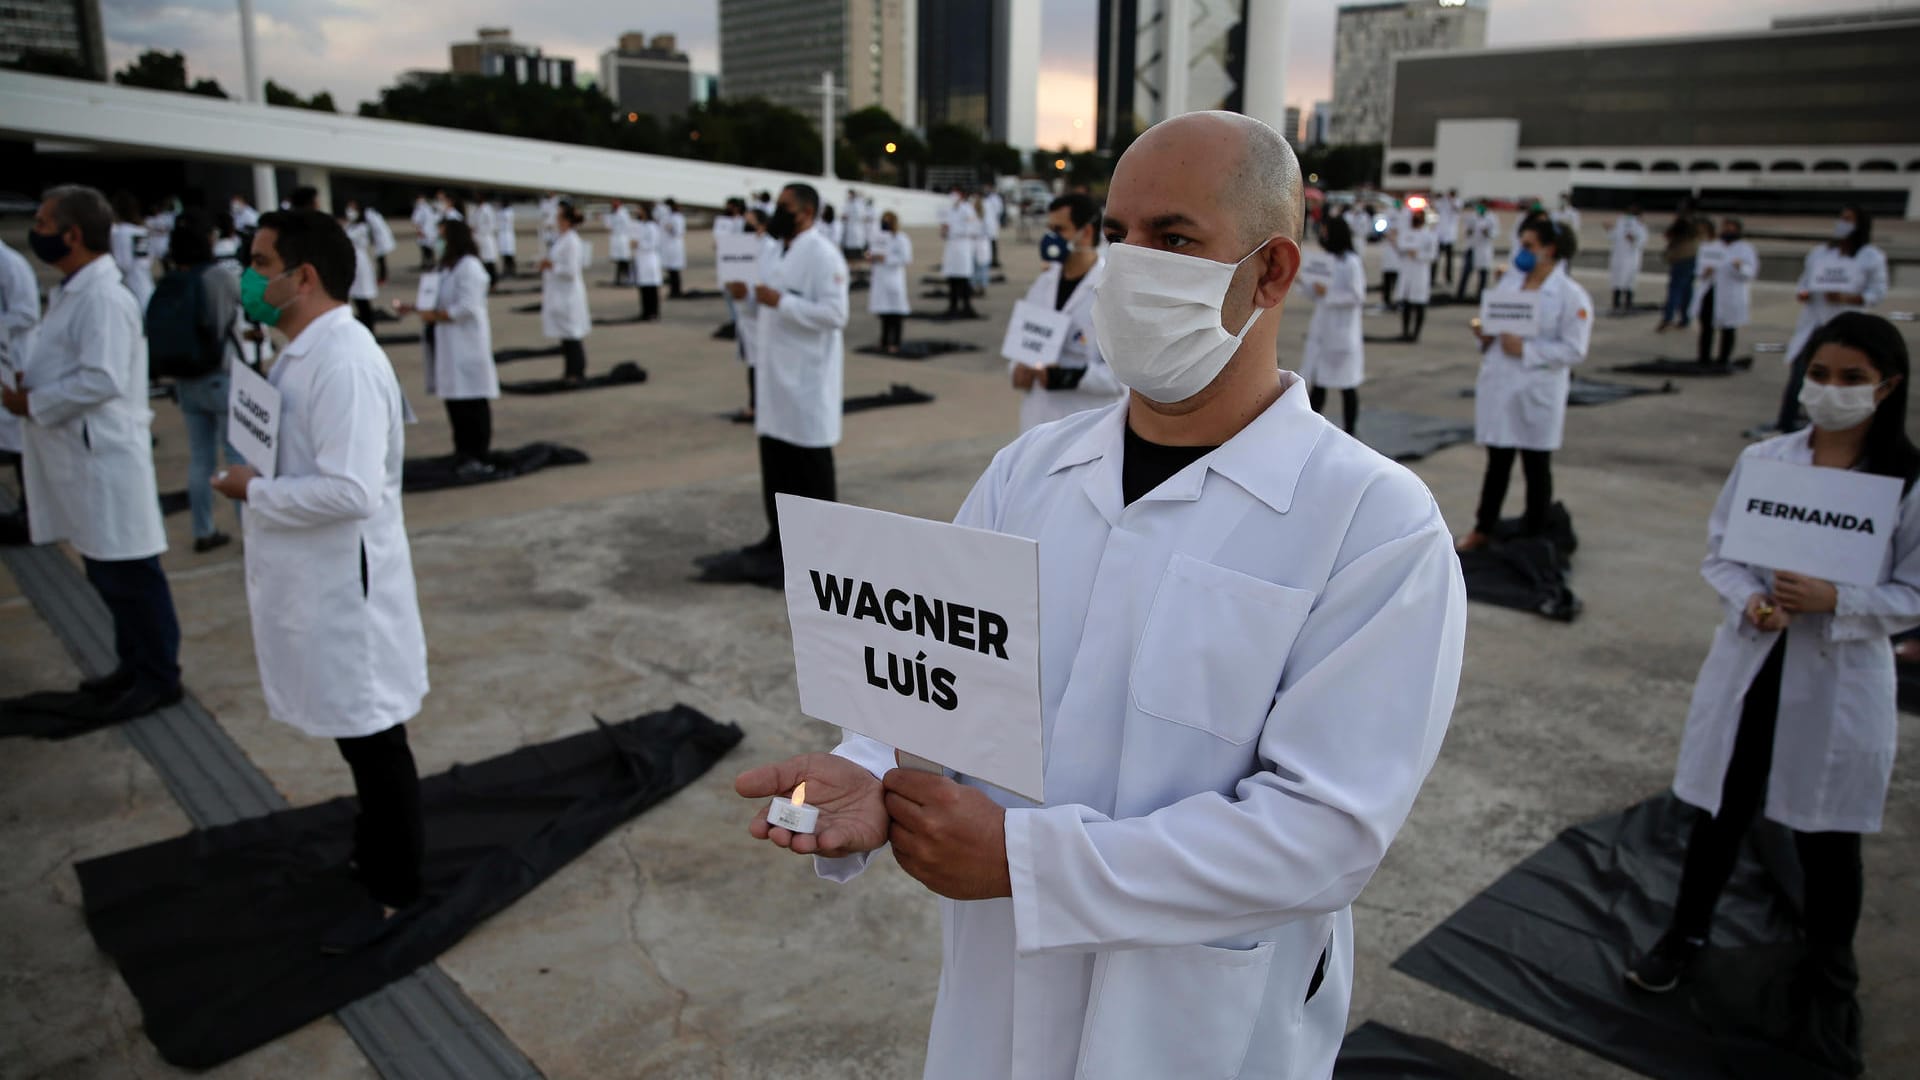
(1166, 363)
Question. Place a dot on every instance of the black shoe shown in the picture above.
(108, 686)
(1666, 964)
(204, 544)
(136, 702)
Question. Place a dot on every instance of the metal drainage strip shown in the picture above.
(421, 1027)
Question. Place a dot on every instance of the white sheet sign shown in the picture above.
(1316, 269)
(1829, 523)
(921, 634)
(1710, 257)
(1035, 335)
(427, 296)
(739, 258)
(1510, 311)
(1837, 275)
(253, 418)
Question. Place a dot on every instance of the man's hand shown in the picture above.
(1798, 594)
(950, 837)
(232, 481)
(14, 398)
(737, 290)
(1513, 345)
(1025, 374)
(767, 294)
(1765, 614)
(852, 817)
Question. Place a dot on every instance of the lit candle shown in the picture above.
(793, 815)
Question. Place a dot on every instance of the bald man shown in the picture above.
(1253, 628)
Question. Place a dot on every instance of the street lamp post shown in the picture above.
(266, 189)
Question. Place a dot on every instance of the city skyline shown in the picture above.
(353, 48)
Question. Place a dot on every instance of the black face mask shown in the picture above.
(780, 226)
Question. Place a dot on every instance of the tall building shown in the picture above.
(64, 28)
(496, 54)
(1291, 128)
(1231, 52)
(777, 50)
(647, 78)
(1317, 123)
(1367, 38)
(979, 67)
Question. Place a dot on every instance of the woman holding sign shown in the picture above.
(563, 293)
(1078, 377)
(1334, 356)
(459, 348)
(1846, 273)
(1724, 271)
(1793, 715)
(890, 253)
(1520, 399)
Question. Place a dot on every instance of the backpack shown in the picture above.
(179, 344)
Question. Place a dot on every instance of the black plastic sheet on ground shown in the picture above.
(1548, 942)
(942, 316)
(1523, 572)
(1374, 1051)
(625, 373)
(897, 394)
(1405, 436)
(1582, 391)
(408, 338)
(1686, 369)
(508, 356)
(52, 714)
(525, 309)
(215, 932)
(919, 350)
(996, 278)
(435, 473)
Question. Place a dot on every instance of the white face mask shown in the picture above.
(1838, 408)
(1157, 316)
(1842, 228)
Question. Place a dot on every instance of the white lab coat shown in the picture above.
(993, 211)
(1099, 387)
(19, 315)
(1239, 704)
(1521, 402)
(460, 353)
(1736, 266)
(1629, 236)
(366, 284)
(1567, 216)
(563, 291)
(956, 257)
(1447, 220)
(1418, 248)
(746, 321)
(485, 233)
(673, 241)
(245, 217)
(887, 293)
(88, 453)
(797, 375)
(132, 253)
(646, 252)
(160, 236)
(503, 230)
(1870, 268)
(425, 223)
(1834, 746)
(336, 624)
(549, 219)
(1481, 229)
(619, 235)
(383, 241)
(1334, 355)
(859, 214)
(982, 246)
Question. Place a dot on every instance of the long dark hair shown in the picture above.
(191, 242)
(1339, 236)
(1558, 237)
(1862, 233)
(459, 238)
(1888, 452)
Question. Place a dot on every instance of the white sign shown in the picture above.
(1510, 311)
(1836, 275)
(739, 257)
(923, 635)
(1828, 523)
(253, 418)
(1035, 335)
(427, 297)
(1317, 269)
(1711, 257)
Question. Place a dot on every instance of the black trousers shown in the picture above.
(1706, 332)
(753, 390)
(493, 275)
(994, 262)
(1413, 319)
(363, 311)
(622, 271)
(389, 837)
(1789, 418)
(506, 264)
(1537, 465)
(1349, 402)
(1388, 278)
(426, 256)
(146, 632)
(794, 470)
(959, 295)
(1830, 860)
(1623, 299)
(891, 327)
(380, 266)
(472, 423)
(673, 284)
(574, 352)
(649, 302)
(1446, 255)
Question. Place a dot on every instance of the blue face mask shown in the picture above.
(1054, 247)
(1524, 261)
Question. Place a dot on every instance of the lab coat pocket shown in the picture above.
(1214, 647)
(1187, 1011)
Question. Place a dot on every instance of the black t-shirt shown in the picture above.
(1146, 465)
(1064, 292)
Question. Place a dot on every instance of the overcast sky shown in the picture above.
(355, 47)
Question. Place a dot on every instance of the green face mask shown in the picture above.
(253, 296)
